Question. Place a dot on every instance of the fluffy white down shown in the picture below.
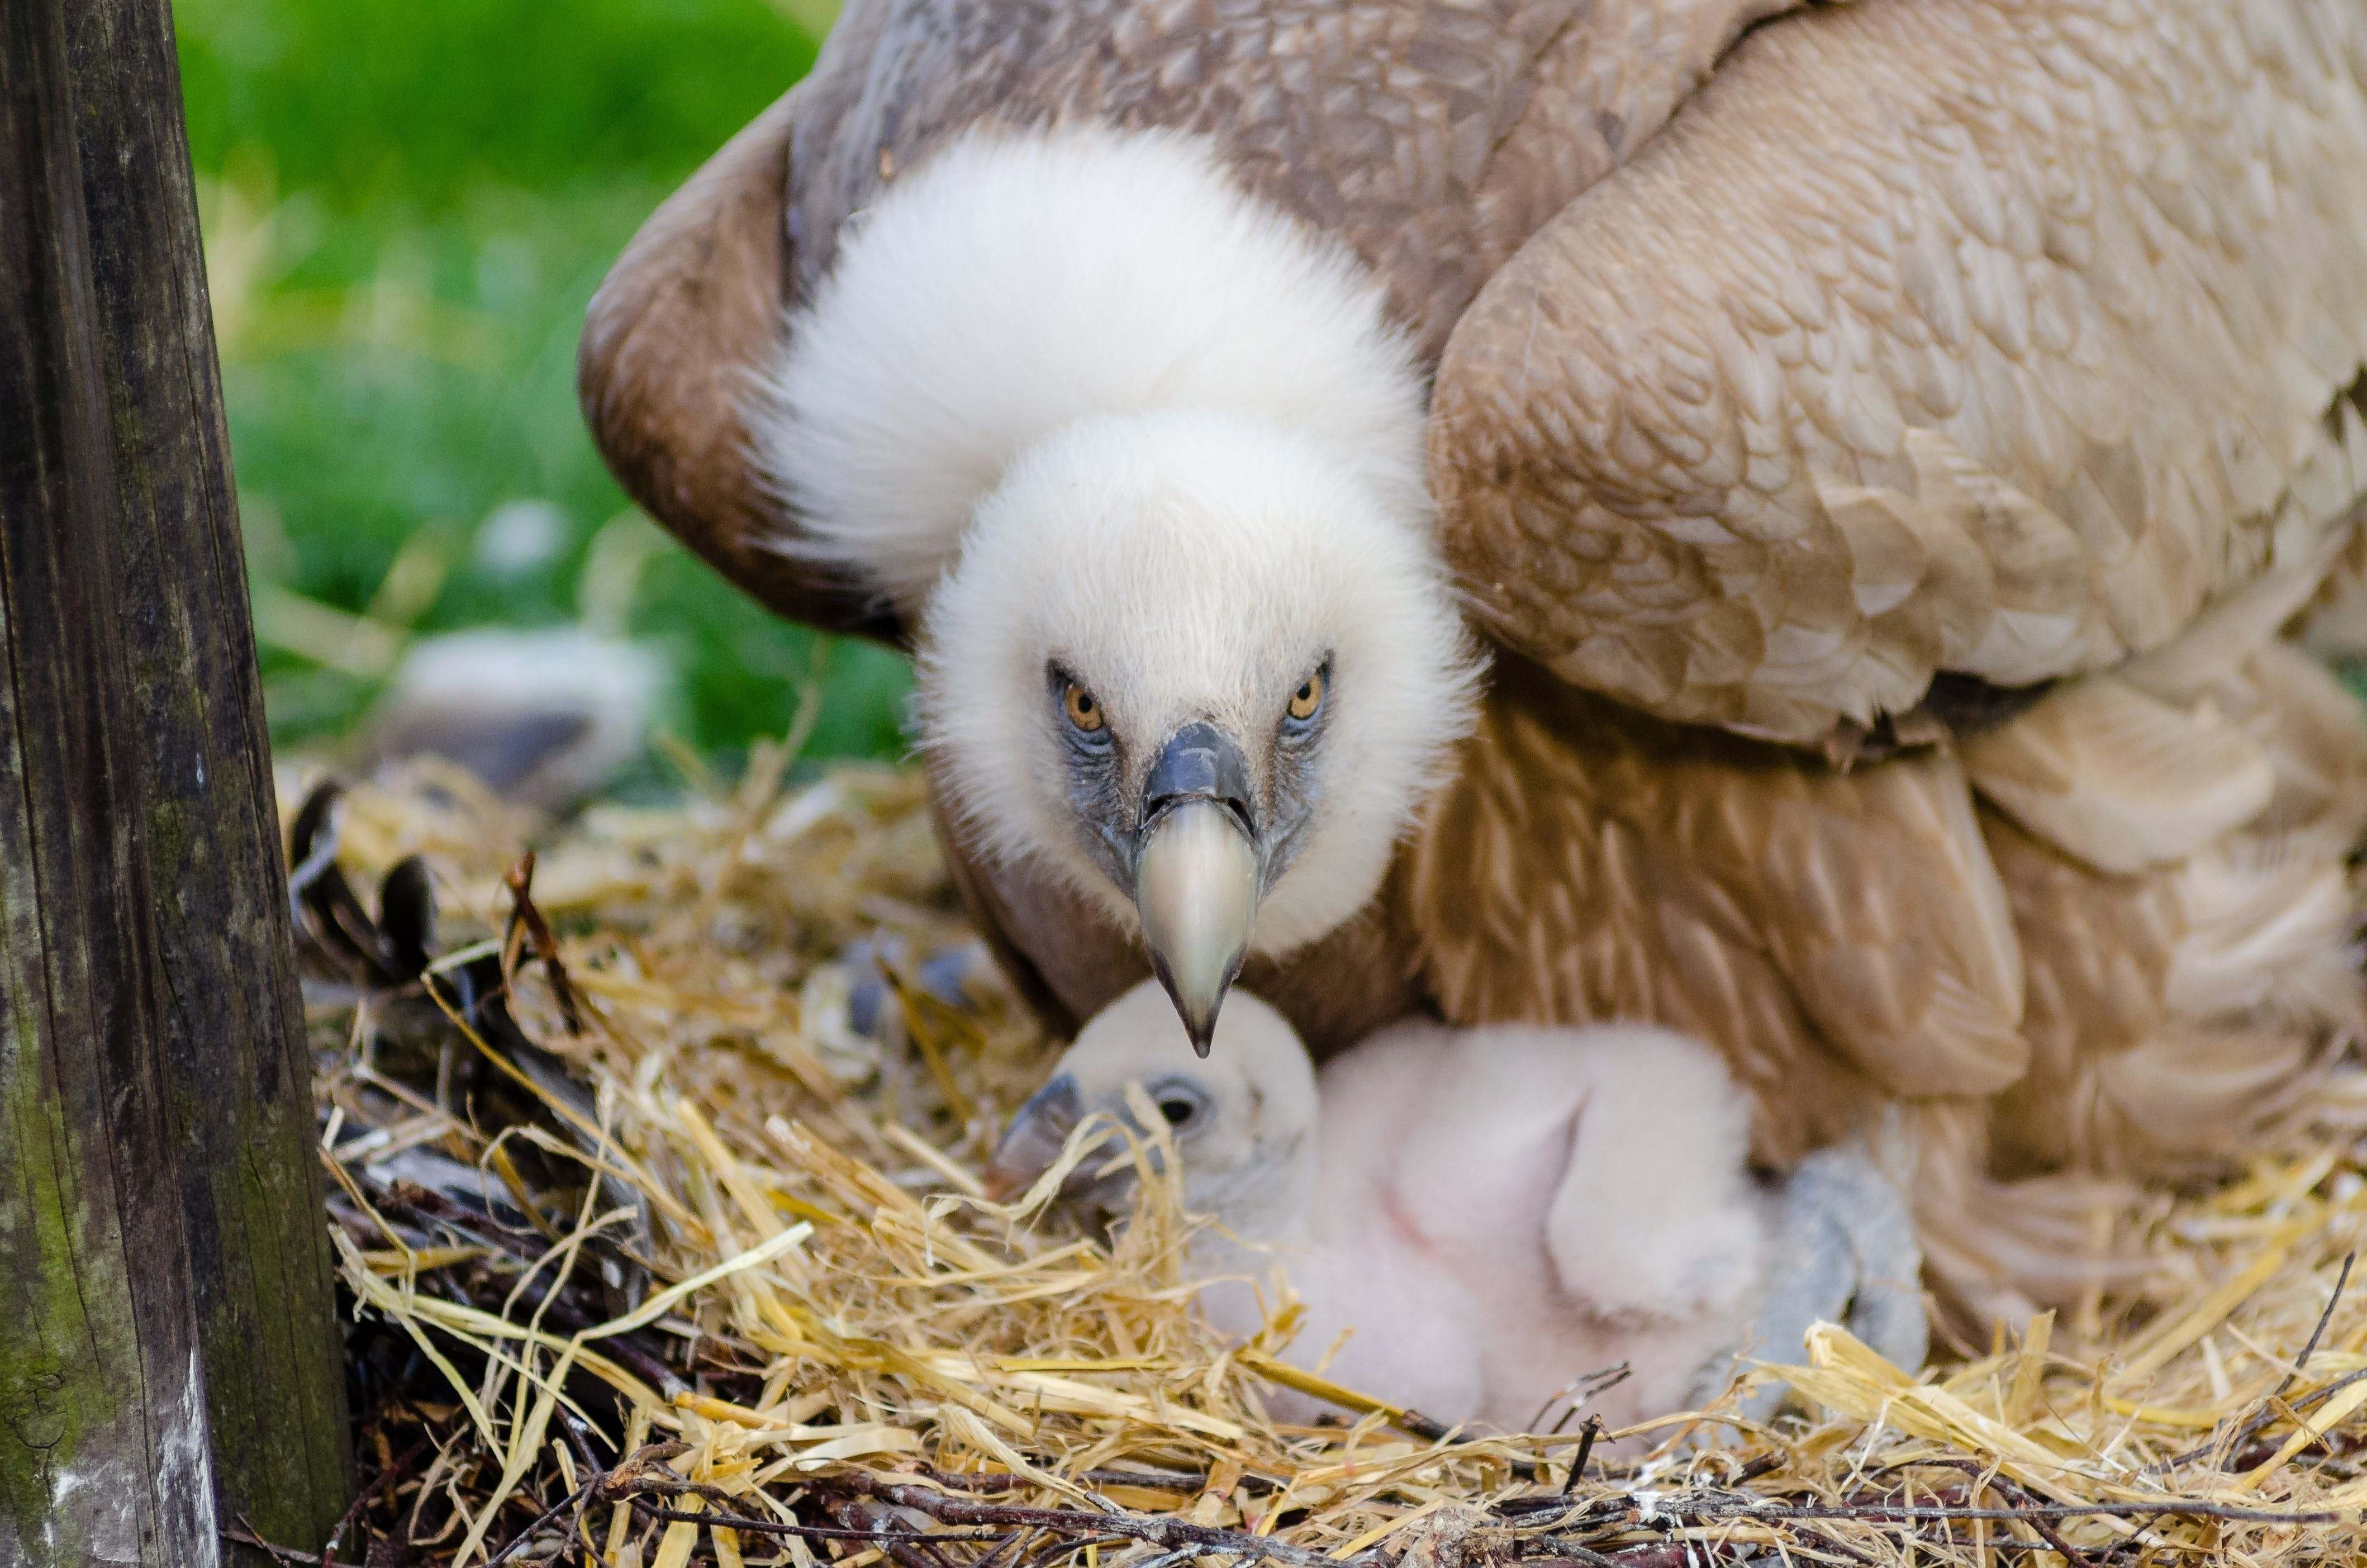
(1014, 284)
(1471, 1218)
(1074, 397)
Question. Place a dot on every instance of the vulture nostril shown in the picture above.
(1200, 762)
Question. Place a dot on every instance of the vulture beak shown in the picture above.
(1195, 871)
(1034, 1140)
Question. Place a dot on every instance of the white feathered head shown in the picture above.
(1143, 460)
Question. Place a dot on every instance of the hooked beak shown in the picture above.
(1196, 872)
(1038, 1130)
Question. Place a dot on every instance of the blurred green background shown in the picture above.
(406, 206)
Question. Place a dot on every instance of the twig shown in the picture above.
(2269, 1406)
(519, 1541)
(246, 1536)
(1659, 1555)
(1714, 1507)
(643, 1477)
(2031, 1512)
(871, 1535)
(1013, 1543)
(1586, 1438)
(1154, 1529)
(1824, 1542)
(1058, 1549)
(2309, 1348)
(2272, 1409)
(1764, 1465)
(592, 1472)
(1145, 1479)
(1571, 1551)
(1578, 1391)
(1910, 1512)
(1166, 1559)
(520, 879)
(2072, 1556)
(393, 1472)
(906, 1548)
(574, 1425)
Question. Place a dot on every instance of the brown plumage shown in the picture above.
(2004, 342)
(2019, 349)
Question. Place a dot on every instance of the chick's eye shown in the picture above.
(1308, 699)
(1177, 1111)
(1083, 711)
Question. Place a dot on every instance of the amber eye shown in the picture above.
(1082, 710)
(1308, 697)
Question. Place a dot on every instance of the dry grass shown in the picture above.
(849, 1350)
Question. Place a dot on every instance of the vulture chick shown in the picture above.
(1481, 1224)
(1876, 447)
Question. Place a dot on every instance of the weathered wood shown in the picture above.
(159, 1196)
(240, 1076)
(102, 1433)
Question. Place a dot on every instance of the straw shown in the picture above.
(847, 1355)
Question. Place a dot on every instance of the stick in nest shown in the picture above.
(525, 916)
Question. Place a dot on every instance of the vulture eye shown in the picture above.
(1082, 710)
(1177, 1111)
(1307, 700)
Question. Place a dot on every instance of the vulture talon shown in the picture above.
(406, 916)
(323, 902)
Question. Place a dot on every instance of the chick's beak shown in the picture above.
(1196, 872)
(1038, 1130)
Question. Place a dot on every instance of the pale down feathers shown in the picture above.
(1501, 1225)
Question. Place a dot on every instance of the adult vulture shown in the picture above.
(1878, 448)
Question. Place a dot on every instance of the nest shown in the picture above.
(655, 1257)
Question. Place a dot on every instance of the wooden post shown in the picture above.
(168, 1353)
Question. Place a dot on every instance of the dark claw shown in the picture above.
(406, 916)
(324, 904)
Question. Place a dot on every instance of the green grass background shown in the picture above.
(406, 206)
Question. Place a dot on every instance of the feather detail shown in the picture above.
(1834, 934)
(2119, 778)
(2020, 355)
(2175, 1010)
(2218, 642)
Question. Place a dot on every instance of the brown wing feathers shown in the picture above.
(1985, 335)
(670, 346)
(1840, 937)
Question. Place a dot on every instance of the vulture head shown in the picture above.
(1142, 461)
(1243, 1120)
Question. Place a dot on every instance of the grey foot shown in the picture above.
(946, 974)
(1847, 1255)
